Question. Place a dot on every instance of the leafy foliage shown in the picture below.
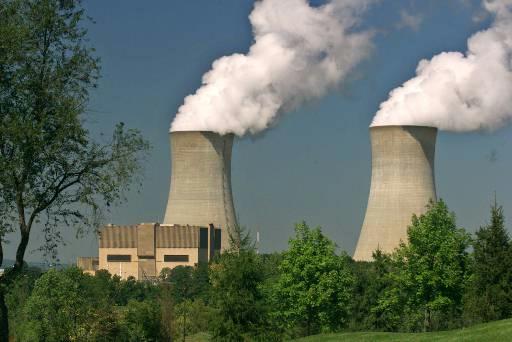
(428, 273)
(490, 293)
(52, 173)
(371, 281)
(314, 287)
(237, 299)
(63, 307)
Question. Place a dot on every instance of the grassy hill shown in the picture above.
(493, 331)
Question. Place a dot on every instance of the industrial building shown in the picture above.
(198, 217)
(142, 251)
(402, 184)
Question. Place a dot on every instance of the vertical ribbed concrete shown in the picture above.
(200, 191)
(402, 184)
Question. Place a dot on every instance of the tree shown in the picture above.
(17, 295)
(314, 287)
(371, 282)
(428, 274)
(140, 321)
(192, 317)
(490, 293)
(63, 306)
(181, 279)
(236, 296)
(51, 171)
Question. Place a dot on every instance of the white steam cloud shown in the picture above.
(299, 53)
(460, 92)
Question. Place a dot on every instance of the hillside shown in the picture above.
(493, 331)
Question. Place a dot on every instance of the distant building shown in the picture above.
(142, 251)
(88, 264)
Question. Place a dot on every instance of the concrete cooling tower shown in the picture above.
(402, 184)
(200, 191)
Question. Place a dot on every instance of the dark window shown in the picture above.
(176, 258)
(119, 257)
(203, 238)
(218, 239)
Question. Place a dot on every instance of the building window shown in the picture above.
(119, 258)
(218, 239)
(203, 238)
(176, 258)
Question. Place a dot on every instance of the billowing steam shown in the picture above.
(460, 92)
(299, 53)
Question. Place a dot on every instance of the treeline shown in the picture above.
(443, 278)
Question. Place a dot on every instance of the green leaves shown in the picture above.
(314, 286)
(49, 164)
(490, 293)
(237, 297)
(428, 274)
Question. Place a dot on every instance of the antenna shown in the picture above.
(258, 242)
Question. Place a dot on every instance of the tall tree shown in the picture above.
(64, 306)
(314, 287)
(490, 294)
(428, 273)
(52, 173)
(236, 295)
(371, 282)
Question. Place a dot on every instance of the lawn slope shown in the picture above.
(493, 331)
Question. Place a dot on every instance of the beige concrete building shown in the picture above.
(402, 184)
(88, 264)
(142, 251)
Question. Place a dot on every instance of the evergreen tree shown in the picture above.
(490, 294)
(236, 294)
(371, 282)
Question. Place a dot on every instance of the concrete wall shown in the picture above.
(148, 243)
(193, 257)
(402, 184)
(122, 269)
(200, 191)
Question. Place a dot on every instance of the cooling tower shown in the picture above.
(402, 184)
(200, 191)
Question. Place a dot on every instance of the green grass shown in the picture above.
(199, 337)
(493, 331)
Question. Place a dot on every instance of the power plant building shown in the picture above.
(198, 217)
(142, 251)
(402, 184)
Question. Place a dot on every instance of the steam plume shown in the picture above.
(299, 53)
(460, 92)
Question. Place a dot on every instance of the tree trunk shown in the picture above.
(4, 319)
(22, 247)
(184, 326)
(4, 282)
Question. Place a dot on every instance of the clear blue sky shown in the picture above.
(315, 164)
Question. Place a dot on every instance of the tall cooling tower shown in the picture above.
(200, 191)
(402, 184)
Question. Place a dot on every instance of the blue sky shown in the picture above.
(315, 164)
